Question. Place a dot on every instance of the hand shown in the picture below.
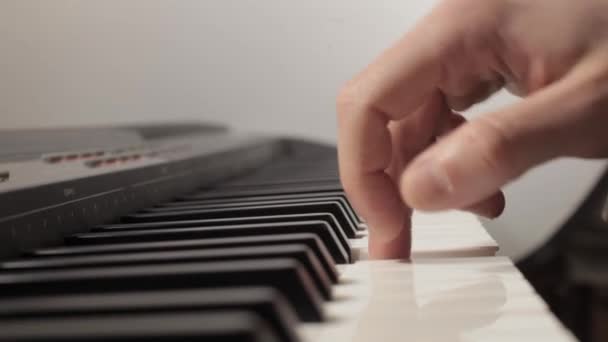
(402, 145)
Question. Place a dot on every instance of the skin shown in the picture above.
(403, 145)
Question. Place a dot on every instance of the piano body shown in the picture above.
(193, 232)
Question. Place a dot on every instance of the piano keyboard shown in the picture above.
(275, 254)
(454, 289)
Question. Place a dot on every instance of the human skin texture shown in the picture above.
(402, 144)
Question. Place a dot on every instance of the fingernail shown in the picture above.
(427, 184)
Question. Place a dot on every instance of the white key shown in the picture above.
(454, 289)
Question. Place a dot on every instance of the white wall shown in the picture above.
(271, 65)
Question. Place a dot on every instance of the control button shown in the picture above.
(71, 157)
(4, 176)
(94, 163)
(54, 159)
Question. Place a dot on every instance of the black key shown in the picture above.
(225, 326)
(265, 210)
(319, 228)
(275, 183)
(340, 194)
(286, 275)
(327, 218)
(241, 184)
(204, 206)
(290, 166)
(265, 302)
(283, 190)
(311, 240)
(293, 170)
(301, 253)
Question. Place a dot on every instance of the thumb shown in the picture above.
(481, 156)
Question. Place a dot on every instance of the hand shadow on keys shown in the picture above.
(443, 310)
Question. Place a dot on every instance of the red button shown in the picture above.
(94, 163)
(54, 159)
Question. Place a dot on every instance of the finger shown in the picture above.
(397, 248)
(481, 156)
(382, 93)
(395, 215)
(408, 137)
(418, 131)
(490, 207)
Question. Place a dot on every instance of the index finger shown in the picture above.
(391, 88)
